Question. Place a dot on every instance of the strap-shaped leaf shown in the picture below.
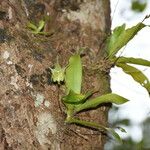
(32, 26)
(120, 37)
(131, 60)
(136, 74)
(111, 41)
(108, 98)
(41, 25)
(95, 126)
(74, 98)
(122, 129)
(115, 134)
(74, 74)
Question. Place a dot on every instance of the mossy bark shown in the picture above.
(31, 114)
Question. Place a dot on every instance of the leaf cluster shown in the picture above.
(117, 40)
(76, 102)
(37, 29)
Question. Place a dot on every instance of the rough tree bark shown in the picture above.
(30, 114)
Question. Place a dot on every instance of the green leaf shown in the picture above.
(138, 6)
(95, 126)
(31, 26)
(117, 32)
(74, 98)
(120, 37)
(122, 129)
(136, 74)
(115, 134)
(131, 60)
(73, 76)
(41, 25)
(108, 98)
(125, 122)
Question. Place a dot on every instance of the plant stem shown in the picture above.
(70, 110)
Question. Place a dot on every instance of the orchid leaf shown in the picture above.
(74, 98)
(73, 76)
(115, 134)
(41, 25)
(108, 98)
(136, 74)
(32, 26)
(131, 60)
(120, 37)
(122, 129)
(95, 126)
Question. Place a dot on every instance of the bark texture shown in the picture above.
(30, 114)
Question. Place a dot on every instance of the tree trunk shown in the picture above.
(31, 113)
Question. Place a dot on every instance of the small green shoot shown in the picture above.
(37, 29)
